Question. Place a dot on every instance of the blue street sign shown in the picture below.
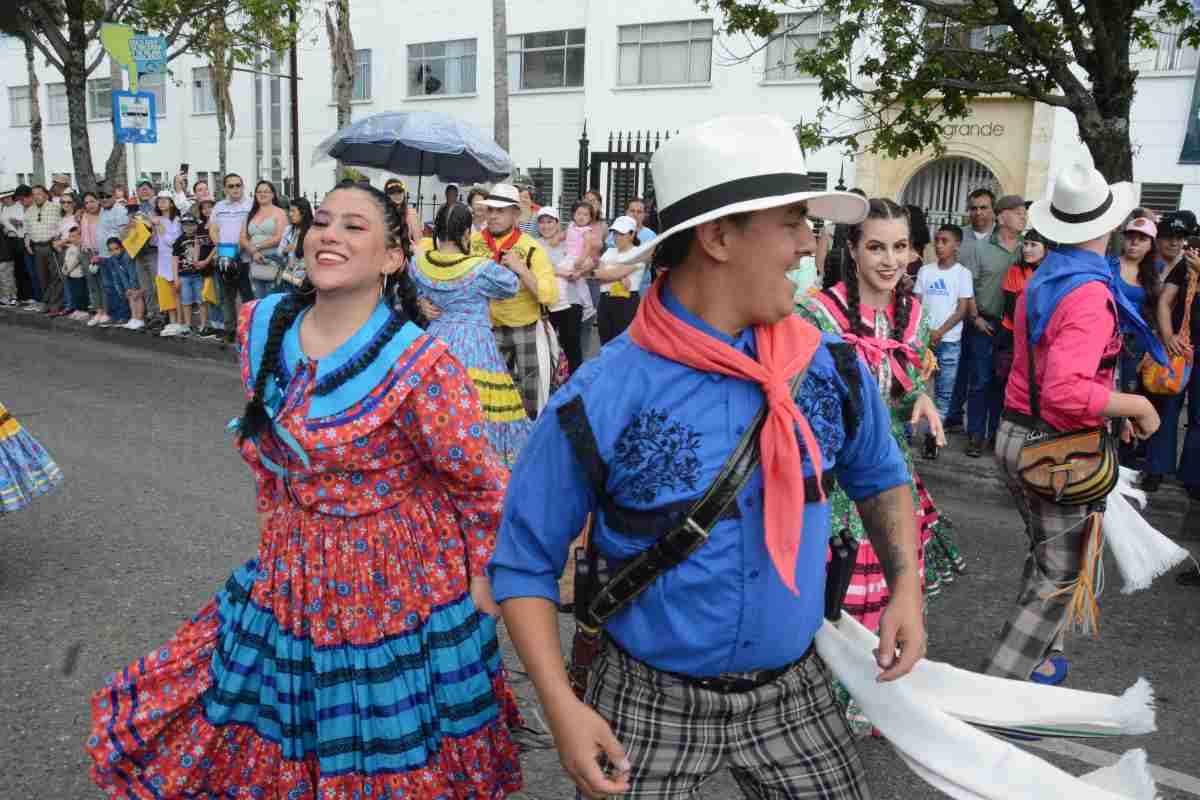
(149, 53)
(134, 121)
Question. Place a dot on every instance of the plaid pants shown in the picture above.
(786, 739)
(1056, 538)
(518, 348)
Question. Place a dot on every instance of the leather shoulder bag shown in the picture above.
(1069, 468)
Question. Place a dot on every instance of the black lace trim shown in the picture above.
(364, 358)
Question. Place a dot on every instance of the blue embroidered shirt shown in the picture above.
(664, 430)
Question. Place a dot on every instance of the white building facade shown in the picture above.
(655, 67)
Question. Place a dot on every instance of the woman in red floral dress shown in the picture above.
(357, 656)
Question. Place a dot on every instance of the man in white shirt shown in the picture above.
(945, 289)
(225, 229)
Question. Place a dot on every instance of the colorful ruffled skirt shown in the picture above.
(26, 469)
(505, 421)
(348, 661)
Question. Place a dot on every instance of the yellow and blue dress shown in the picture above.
(463, 287)
(26, 469)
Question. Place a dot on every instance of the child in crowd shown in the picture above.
(208, 268)
(121, 274)
(945, 289)
(189, 253)
(166, 231)
(73, 274)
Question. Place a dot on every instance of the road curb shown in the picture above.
(179, 347)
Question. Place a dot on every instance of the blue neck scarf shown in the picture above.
(1065, 270)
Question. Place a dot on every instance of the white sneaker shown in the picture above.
(134, 325)
(93, 320)
(80, 316)
(171, 329)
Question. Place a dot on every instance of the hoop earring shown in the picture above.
(311, 289)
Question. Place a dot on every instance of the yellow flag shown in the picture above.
(136, 239)
(115, 40)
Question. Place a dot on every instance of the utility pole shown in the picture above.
(295, 91)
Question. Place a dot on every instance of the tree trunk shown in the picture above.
(500, 71)
(116, 169)
(1104, 126)
(75, 76)
(35, 119)
(222, 131)
(341, 46)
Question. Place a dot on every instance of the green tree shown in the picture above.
(911, 66)
(62, 30)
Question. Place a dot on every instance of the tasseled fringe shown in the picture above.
(1129, 777)
(1083, 607)
(1134, 709)
(1142, 553)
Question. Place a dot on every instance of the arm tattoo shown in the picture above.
(891, 525)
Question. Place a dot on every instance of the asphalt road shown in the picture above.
(157, 509)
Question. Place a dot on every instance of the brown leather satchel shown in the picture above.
(1069, 468)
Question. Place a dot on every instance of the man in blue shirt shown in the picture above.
(699, 669)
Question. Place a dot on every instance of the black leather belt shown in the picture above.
(730, 682)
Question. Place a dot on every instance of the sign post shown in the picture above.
(134, 121)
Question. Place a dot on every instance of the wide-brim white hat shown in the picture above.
(503, 195)
(734, 164)
(1083, 206)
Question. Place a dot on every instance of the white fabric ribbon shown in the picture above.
(1142, 553)
(957, 758)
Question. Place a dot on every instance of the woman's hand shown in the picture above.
(1177, 346)
(926, 410)
(430, 311)
(481, 596)
(983, 326)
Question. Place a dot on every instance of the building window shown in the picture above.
(550, 60)
(441, 68)
(1161, 197)
(570, 193)
(203, 101)
(24, 178)
(58, 113)
(361, 90)
(1172, 53)
(155, 178)
(941, 33)
(667, 52)
(157, 86)
(796, 32)
(542, 179)
(19, 110)
(99, 98)
(362, 75)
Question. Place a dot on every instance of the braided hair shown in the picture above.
(397, 287)
(453, 224)
(883, 209)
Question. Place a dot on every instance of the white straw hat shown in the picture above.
(733, 164)
(1083, 206)
(503, 195)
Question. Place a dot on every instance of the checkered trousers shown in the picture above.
(518, 348)
(787, 739)
(1057, 534)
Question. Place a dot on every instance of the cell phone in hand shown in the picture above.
(183, 168)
